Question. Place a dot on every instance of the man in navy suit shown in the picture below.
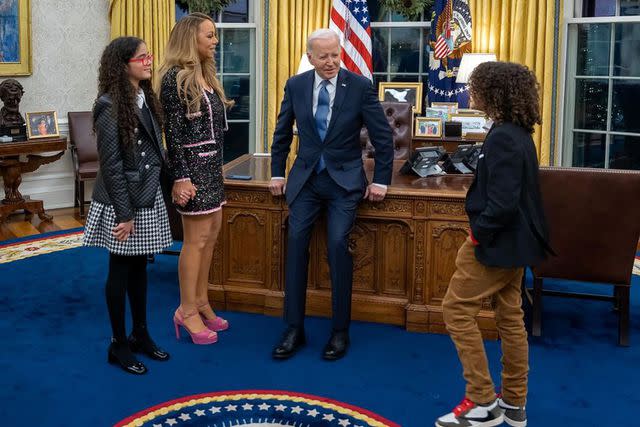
(330, 105)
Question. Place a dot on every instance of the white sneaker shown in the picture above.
(469, 414)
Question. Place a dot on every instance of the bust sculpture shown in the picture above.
(11, 92)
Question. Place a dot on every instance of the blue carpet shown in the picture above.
(55, 331)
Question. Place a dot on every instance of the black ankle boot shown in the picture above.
(140, 342)
(120, 354)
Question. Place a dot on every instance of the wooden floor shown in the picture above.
(63, 219)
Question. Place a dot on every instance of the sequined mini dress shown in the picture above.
(194, 144)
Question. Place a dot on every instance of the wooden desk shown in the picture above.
(404, 250)
(12, 169)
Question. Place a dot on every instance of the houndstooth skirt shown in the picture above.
(151, 232)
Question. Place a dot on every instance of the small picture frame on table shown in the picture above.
(471, 123)
(452, 107)
(42, 124)
(428, 127)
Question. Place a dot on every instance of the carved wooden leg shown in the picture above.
(43, 215)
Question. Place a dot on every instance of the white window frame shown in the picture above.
(255, 115)
(403, 24)
(572, 13)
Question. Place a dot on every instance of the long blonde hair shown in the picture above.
(182, 52)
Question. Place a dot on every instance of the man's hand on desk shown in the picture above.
(278, 186)
(375, 192)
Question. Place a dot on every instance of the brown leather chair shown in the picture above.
(84, 151)
(594, 224)
(400, 118)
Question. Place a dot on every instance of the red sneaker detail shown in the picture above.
(463, 407)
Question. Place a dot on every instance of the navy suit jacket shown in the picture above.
(355, 103)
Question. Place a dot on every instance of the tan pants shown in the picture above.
(471, 283)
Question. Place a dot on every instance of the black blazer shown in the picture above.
(128, 177)
(355, 103)
(504, 203)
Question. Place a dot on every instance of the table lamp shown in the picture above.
(469, 62)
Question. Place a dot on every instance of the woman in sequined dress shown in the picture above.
(195, 105)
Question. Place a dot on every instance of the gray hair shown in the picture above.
(322, 34)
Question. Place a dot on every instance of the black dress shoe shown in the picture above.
(292, 340)
(120, 354)
(142, 343)
(337, 346)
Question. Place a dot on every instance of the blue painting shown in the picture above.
(9, 31)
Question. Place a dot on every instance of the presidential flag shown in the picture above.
(350, 19)
(450, 39)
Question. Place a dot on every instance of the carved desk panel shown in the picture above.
(404, 250)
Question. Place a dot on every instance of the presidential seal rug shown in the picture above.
(16, 250)
(255, 409)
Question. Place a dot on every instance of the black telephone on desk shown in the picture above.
(240, 177)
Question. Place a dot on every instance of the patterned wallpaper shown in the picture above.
(67, 39)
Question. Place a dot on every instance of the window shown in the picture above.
(236, 57)
(400, 47)
(602, 119)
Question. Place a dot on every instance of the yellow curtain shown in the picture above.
(290, 22)
(521, 31)
(151, 20)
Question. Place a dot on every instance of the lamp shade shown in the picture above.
(304, 65)
(469, 62)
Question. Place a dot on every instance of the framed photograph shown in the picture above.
(452, 107)
(15, 38)
(470, 111)
(428, 127)
(409, 92)
(471, 123)
(42, 125)
(440, 112)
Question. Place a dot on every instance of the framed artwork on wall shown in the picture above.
(406, 92)
(15, 38)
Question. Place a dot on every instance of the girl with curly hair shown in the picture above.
(508, 231)
(128, 216)
(195, 106)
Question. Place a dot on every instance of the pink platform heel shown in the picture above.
(203, 337)
(216, 324)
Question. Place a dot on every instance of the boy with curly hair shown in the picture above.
(508, 232)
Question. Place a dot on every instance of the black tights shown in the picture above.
(127, 275)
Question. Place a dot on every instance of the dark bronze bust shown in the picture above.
(11, 92)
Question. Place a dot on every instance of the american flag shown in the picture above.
(350, 19)
(444, 44)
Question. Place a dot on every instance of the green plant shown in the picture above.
(206, 6)
(411, 9)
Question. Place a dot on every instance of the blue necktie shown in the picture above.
(322, 112)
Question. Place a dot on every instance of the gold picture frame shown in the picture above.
(452, 107)
(428, 127)
(471, 123)
(406, 92)
(42, 124)
(17, 38)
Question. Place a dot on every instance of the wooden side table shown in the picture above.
(12, 168)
